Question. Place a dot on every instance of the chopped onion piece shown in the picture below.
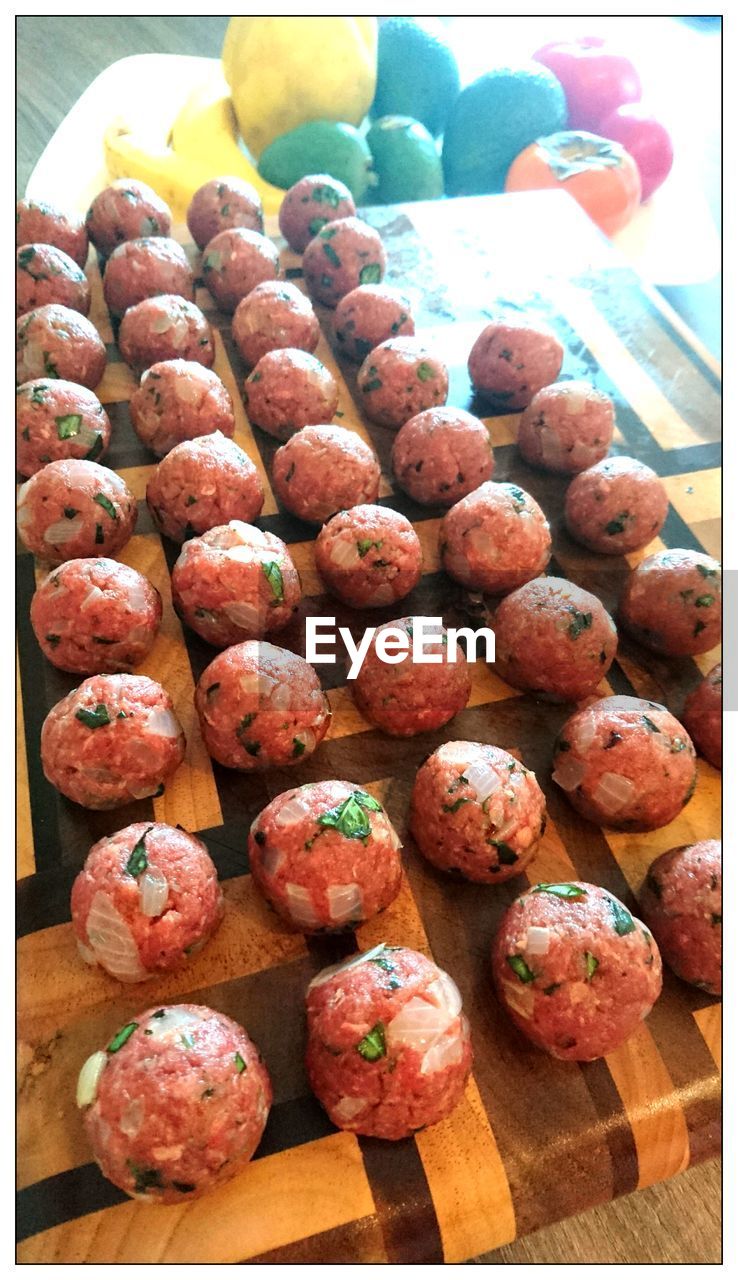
(170, 1021)
(519, 997)
(94, 596)
(162, 324)
(143, 793)
(382, 595)
(301, 906)
(446, 1052)
(245, 615)
(162, 721)
(87, 954)
(332, 969)
(613, 792)
(271, 861)
(347, 1109)
(538, 941)
(186, 391)
(395, 840)
(247, 534)
(570, 772)
(62, 531)
(550, 448)
(584, 733)
(308, 740)
(344, 902)
(112, 941)
(345, 554)
(153, 891)
(281, 696)
(483, 779)
(445, 993)
(295, 809)
(418, 1024)
(482, 544)
(138, 597)
(132, 1117)
(89, 1078)
(23, 490)
(249, 683)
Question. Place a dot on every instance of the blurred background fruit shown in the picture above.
(322, 146)
(406, 161)
(595, 77)
(599, 174)
(646, 139)
(417, 75)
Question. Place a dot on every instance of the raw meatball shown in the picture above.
(96, 615)
(476, 811)
(113, 740)
(341, 256)
(512, 359)
(57, 342)
(58, 419)
(146, 899)
(321, 470)
(554, 639)
(44, 274)
(37, 222)
(441, 455)
(73, 508)
(369, 556)
(682, 903)
(399, 379)
(142, 269)
(179, 400)
(495, 539)
(126, 210)
(672, 602)
(165, 328)
(220, 204)
(325, 856)
(405, 698)
(389, 1049)
(703, 716)
(566, 427)
(309, 205)
(271, 317)
(261, 707)
(575, 970)
(235, 261)
(235, 583)
(287, 390)
(176, 1104)
(203, 483)
(616, 506)
(369, 315)
(625, 763)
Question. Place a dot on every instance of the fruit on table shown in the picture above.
(491, 122)
(600, 175)
(646, 139)
(406, 160)
(322, 146)
(417, 74)
(284, 72)
(595, 78)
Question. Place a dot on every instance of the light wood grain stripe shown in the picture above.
(99, 315)
(118, 383)
(695, 495)
(25, 859)
(243, 434)
(322, 1183)
(651, 1104)
(710, 1022)
(681, 327)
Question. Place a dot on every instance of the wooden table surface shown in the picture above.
(674, 1222)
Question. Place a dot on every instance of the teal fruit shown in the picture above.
(417, 75)
(493, 120)
(322, 146)
(406, 161)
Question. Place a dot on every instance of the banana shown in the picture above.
(175, 178)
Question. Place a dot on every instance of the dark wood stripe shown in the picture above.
(403, 1201)
(43, 797)
(354, 1242)
(615, 1127)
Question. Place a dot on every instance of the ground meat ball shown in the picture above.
(566, 427)
(145, 268)
(325, 856)
(203, 483)
(287, 390)
(57, 419)
(74, 508)
(220, 204)
(495, 539)
(126, 210)
(553, 639)
(42, 223)
(575, 970)
(341, 256)
(321, 470)
(399, 379)
(271, 317)
(176, 1104)
(370, 315)
(625, 763)
(113, 740)
(179, 400)
(165, 328)
(96, 615)
(512, 359)
(389, 1050)
(477, 811)
(682, 903)
(616, 506)
(43, 275)
(235, 583)
(672, 602)
(405, 698)
(309, 205)
(146, 899)
(441, 455)
(703, 716)
(369, 556)
(57, 342)
(235, 261)
(260, 707)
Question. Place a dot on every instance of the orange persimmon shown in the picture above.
(600, 174)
